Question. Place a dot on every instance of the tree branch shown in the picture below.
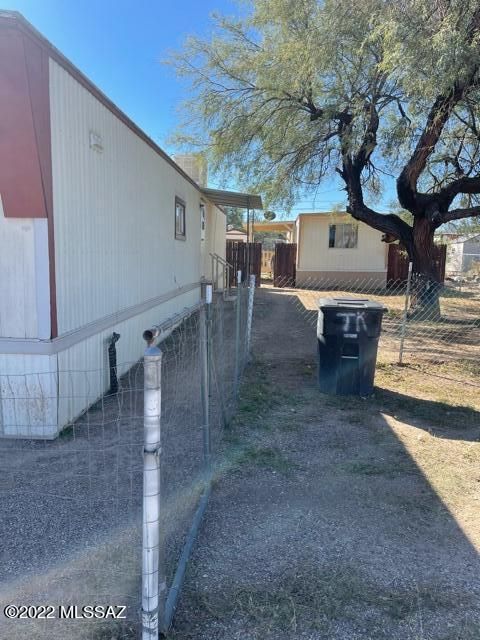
(438, 116)
(436, 120)
(458, 214)
(462, 185)
(389, 224)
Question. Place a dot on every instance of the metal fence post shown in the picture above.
(227, 288)
(205, 354)
(213, 272)
(153, 565)
(405, 314)
(251, 293)
(238, 303)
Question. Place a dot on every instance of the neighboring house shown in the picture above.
(336, 249)
(463, 252)
(100, 231)
(236, 234)
(276, 230)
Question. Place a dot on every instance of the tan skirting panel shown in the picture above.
(313, 279)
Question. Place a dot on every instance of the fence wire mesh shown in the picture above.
(71, 507)
(439, 349)
(453, 333)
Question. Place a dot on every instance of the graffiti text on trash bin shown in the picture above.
(353, 321)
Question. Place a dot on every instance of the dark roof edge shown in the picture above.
(15, 19)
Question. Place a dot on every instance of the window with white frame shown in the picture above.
(343, 236)
(180, 231)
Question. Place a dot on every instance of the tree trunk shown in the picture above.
(426, 287)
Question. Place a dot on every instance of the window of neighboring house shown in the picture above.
(180, 232)
(203, 221)
(343, 236)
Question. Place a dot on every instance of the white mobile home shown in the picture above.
(336, 249)
(100, 231)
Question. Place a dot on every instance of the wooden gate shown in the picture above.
(397, 270)
(236, 255)
(284, 265)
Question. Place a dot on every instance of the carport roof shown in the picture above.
(233, 199)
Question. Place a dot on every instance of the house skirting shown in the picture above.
(46, 385)
(359, 279)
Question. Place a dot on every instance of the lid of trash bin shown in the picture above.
(350, 303)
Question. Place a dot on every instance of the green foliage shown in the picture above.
(234, 217)
(269, 88)
(469, 227)
(268, 238)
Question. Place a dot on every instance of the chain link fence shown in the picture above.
(453, 333)
(439, 349)
(71, 508)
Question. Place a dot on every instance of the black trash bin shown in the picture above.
(348, 330)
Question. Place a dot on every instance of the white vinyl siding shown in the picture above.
(314, 253)
(113, 211)
(18, 303)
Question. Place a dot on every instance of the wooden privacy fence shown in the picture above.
(237, 255)
(284, 265)
(397, 269)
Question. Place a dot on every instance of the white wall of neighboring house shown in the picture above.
(471, 253)
(462, 252)
(237, 235)
(317, 261)
(454, 259)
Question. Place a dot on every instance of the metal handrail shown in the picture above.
(222, 260)
(226, 266)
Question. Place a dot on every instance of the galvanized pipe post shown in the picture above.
(251, 293)
(205, 331)
(227, 288)
(213, 269)
(153, 564)
(405, 314)
(238, 303)
(220, 366)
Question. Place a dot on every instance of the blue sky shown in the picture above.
(119, 46)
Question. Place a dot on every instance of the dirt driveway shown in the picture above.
(338, 518)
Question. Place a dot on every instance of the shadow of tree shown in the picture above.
(445, 420)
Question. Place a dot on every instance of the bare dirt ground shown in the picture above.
(340, 518)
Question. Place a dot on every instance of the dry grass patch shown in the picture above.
(453, 385)
(317, 599)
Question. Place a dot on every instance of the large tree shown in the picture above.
(294, 91)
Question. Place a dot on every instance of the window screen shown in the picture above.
(343, 236)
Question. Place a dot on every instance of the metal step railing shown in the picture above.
(220, 264)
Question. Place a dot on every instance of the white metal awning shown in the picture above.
(233, 199)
